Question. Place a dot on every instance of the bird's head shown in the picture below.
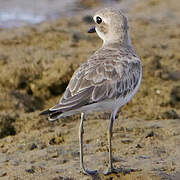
(111, 25)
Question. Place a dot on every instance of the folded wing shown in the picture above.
(98, 80)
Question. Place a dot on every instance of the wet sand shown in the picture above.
(36, 64)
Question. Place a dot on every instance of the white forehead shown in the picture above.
(107, 14)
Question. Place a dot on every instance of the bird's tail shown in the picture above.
(52, 115)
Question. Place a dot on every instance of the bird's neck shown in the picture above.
(118, 44)
(124, 41)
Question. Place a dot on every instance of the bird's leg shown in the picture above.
(81, 132)
(110, 166)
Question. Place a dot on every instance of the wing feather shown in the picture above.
(97, 80)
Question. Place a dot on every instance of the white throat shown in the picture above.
(111, 40)
(100, 35)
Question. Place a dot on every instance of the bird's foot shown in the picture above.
(110, 170)
(89, 172)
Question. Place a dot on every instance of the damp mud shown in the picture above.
(36, 64)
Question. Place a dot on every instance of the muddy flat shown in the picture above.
(36, 64)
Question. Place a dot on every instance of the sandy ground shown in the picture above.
(36, 64)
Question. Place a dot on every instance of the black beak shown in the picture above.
(92, 30)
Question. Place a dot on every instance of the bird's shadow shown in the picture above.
(117, 171)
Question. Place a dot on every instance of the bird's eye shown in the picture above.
(98, 20)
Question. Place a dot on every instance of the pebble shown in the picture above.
(150, 134)
(158, 91)
(3, 173)
(54, 155)
(143, 157)
(62, 178)
(30, 169)
(138, 146)
(31, 146)
(171, 114)
(126, 141)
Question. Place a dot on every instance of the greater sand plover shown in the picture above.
(108, 80)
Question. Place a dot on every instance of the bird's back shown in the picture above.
(110, 74)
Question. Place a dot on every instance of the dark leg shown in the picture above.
(81, 132)
(110, 167)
